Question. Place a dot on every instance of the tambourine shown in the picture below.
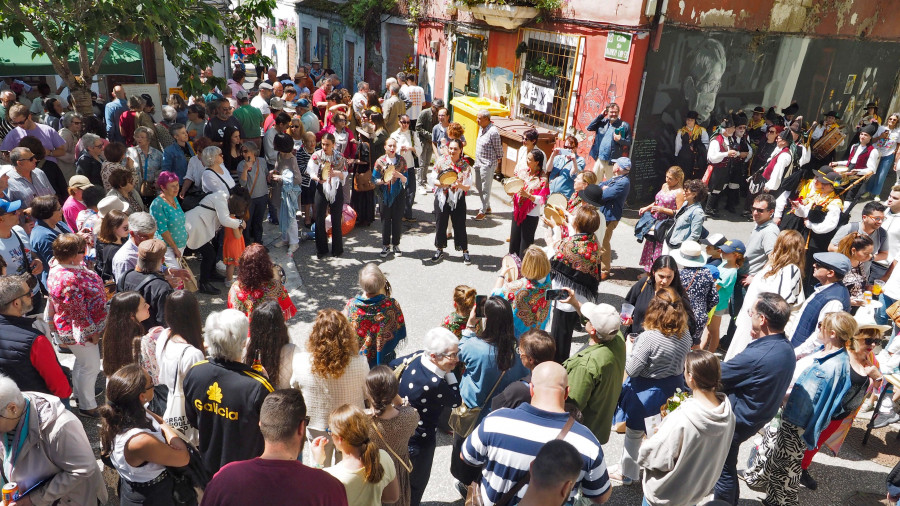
(557, 200)
(388, 173)
(325, 171)
(447, 177)
(513, 185)
(554, 214)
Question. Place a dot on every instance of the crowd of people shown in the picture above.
(99, 212)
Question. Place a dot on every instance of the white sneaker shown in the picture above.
(280, 243)
(220, 267)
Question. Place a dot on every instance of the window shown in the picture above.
(548, 50)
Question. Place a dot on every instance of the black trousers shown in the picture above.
(458, 215)
(410, 192)
(337, 213)
(391, 220)
(421, 458)
(561, 330)
(459, 468)
(522, 236)
(254, 231)
(207, 261)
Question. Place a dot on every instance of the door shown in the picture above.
(323, 46)
(467, 64)
(349, 65)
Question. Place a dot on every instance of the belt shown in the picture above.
(146, 484)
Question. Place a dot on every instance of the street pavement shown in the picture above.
(424, 291)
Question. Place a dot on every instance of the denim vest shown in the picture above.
(817, 395)
(809, 318)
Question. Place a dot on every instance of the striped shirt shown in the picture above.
(507, 441)
(488, 149)
(658, 356)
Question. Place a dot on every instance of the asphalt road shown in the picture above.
(424, 292)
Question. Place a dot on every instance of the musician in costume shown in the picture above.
(389, 176)
(737, 181)
(756, 128)
(825, 138)
(528, 203)
(802, 152)
(691, 144)
(722, 155)
(871, 116)
(761, 155)
(816, 216)
(860, 165)
(328, 167)
(450, 200)
(790, 113)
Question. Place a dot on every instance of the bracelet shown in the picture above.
(471, 326)
(318, 466)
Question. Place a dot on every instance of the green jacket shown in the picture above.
(595, 382)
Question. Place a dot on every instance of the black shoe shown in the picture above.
(89, 413)
(385, 251)
(439, 254)
(208, 289)
(466, 258)
(807, 480)
(215, 276)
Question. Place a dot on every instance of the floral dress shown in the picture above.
(700, 287)
(245, 300)
(379, 324)
(652, 250)
(530, 307)
(79, 301)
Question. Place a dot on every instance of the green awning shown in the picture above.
(123, 58)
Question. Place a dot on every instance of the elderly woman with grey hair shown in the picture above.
(215, 178)
(252, 176)
(89, 162)
(55, 456)
(147, 163)
(428, 383)
(70, 132)
(223, 396)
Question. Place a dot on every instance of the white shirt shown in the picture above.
(125, 259)
(871, 162)
(194, 171)
(416, 95)
(359, 101)
(214, 182)
(407, 140)
(260, 103)
(784, 160)
(715, 153)
(891, 225)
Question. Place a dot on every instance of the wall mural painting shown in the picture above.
(597, 91)
(717, 73)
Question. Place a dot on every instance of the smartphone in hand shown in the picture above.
(556, 294)
(479, 305)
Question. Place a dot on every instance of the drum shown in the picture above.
(388, 173)
(557, 199)
(513, 185)
(827, 143)
(325, 171)
(447, 177)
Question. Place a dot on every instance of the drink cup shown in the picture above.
(627, 311)
(867, 297)
(877, 287)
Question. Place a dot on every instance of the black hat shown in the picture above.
(791, 109)
(832, 178)
(727, 122)
(592, 195)
(797, 124)
(740, 119)
(692, 115)
(284, 143)
(872, 105)
(148, 100)
(772, 116)
(786, 135)
(832, 113)
(871, 129)
(759, 109)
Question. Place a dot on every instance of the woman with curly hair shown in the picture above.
(269, 342)
(330, 373)
(376, 317)
(256, 282)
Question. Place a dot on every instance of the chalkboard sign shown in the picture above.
(643, 173)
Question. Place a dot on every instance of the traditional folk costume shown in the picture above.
(861, 164)
(691, 146)
(721, 164)
(450, 204)
(824, 140)
(738, 171)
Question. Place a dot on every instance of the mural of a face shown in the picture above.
(707, 65)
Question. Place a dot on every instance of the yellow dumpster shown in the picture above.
(465, 111)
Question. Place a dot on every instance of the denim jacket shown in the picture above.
(688, 225)
(817, 395)
(644, 225)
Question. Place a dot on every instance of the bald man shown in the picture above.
(511, 438)
(114, 108)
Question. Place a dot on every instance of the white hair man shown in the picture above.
(223, 396)
(54, 454)
(488, 156)
(141, 227)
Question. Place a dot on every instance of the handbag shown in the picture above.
(175, 415)
(190, 477)
(362, 181)
(659, 230)
(190, 283)
(148, 188)
(893, 311)
(473, 492)
(463, 419)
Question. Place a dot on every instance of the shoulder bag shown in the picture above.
(148, 188)
(175, 415)
(406, 465)
(463, 419)
(473, 495)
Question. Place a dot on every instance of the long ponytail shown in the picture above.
(352, 425)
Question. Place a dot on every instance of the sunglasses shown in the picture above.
(772, 132)
(28, 159)
(404, 122)
(18, 123)
(871, 341)
(758, 210)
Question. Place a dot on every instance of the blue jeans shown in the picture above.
(881, 316)
(876, 182)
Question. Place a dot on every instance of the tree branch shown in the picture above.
(99, 56)
(61, 66)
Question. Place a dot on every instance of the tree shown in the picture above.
(184, 28)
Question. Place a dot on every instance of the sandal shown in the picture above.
(615, 474)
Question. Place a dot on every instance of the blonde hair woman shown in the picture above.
(782, 275)
(526, 293)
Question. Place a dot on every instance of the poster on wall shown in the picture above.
(537, 92)
(715, 73)
(149, 89)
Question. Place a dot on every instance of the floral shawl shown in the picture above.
(539, 188)
(576, 265)
(244, 300)
(455, 322)
(379, 324)
(530, 308)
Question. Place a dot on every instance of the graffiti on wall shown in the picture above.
(598, 91)
(498, 85)
(716, 73)
(337, 46)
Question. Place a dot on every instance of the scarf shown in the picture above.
(576, 265)
(693, 134)
(537, 187)
(12, 444)
(378, 322)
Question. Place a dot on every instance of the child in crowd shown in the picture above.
(732, 253)
(88, 219)
(712, 243)
(463, 300)
(233, 244)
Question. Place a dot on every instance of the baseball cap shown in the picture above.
(603, 317)
(80, 182)
(265, 86)
(303, 102)
(241, 94)
(276, 103)
(714, 240)
(624, 162)
(7, 207)
(153, 250)
(733, 246)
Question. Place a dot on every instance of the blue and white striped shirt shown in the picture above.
(507, 441)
